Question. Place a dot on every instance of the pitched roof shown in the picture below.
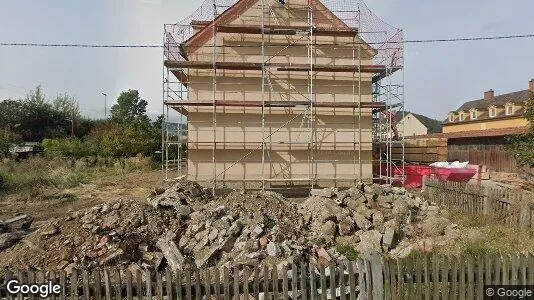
(234, 11)
(432, 125)
(500, 100)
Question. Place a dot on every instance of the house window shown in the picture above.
(473, 114)
(451, 118)
(462, 116)
(492, 112)
(509, 110)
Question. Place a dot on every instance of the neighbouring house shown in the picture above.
(477, 130)
(413, 124)
(277, 100)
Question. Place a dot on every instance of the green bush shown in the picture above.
(68, 147)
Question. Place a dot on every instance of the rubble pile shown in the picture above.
(182, 226)
(13, 230)
(373, 218)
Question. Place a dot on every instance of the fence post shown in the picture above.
(424, 182)
(487, 201)
(376, 276)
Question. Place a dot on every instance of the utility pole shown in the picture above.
(105, 106)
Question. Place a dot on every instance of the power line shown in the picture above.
(419, 41)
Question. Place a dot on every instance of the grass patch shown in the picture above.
(479, 248)
(36, 173)
(348, 251)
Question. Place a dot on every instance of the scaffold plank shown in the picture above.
(280, 66)
(280, 29)
(376, 105)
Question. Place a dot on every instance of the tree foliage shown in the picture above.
(129, 131)
(34, 118)
(521, 146)
(130, 109)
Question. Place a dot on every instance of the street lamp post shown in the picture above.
(105, 106)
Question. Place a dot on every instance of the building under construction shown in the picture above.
(282, 93)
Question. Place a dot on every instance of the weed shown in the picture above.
(348, 251)
(479, 248)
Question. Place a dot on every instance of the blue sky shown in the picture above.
(438, 77)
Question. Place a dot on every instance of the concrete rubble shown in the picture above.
(182, 226)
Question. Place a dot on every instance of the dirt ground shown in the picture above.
(45, 204)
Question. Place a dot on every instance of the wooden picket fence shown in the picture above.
(511, 207)
(304, 281)
(416, 277)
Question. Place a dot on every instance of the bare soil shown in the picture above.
(50, 203)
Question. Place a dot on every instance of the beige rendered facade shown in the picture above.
(308, 118)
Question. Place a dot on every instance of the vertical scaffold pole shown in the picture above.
(262, 95)
(164, 123)
(311, 96)
(214, 87)
(360, 102)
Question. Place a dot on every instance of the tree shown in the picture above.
(66, 105)
(130, 108)
(7, 139)
(521, 145)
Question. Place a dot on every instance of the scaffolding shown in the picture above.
(328, 25)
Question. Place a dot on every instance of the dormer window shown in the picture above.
(492, 112)
(462, 116)
(473, 114)
(509, 109)
(451, 118)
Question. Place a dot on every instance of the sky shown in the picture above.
(438, 77)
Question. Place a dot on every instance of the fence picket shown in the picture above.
(246, 276)
(426, 274)
(226, 284)
(470, 278)
(285, 291)
(323, 282)
(453, 291)
(530, 273)
(139, 285)
(505, 270)
(159, 287)
(352, 283)
(332, 284)
(514, 268)
(118, 284)
(168, 283)
(256, 283)
(107, 287)
(435, 277)
(266, 293)
(128, 277)
(97, 284)
(444, 286)
(198, 289)
(461, 278)
(304, 281)
(294, 273)
(523, 269)
(217, 285)
(85, 280)
(236, 283)
(497, 270)
(148, 284)
(207, 285)
(480, 264)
